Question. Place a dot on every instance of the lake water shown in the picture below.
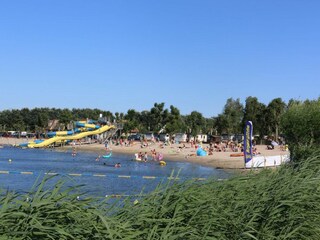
(20, 168)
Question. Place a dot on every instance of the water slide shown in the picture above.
(82, 126)
(80, 135)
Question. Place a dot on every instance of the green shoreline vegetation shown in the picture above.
(281, 203)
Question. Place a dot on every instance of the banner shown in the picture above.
(247, 147)
(268, 161)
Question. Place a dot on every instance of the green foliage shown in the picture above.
(158, 116)
(301, 152)
(65, 116)
(301, 127)
(55, 213)
(131, 120)
(295, 125)
(175, 122)
(37, 119)
(230, 121)
(266, 120)
(274, 111)
(194, 122)
(273, 204)
(254, 111)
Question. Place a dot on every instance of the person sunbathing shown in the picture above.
(255, 152)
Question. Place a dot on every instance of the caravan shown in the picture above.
(180, 138)
(202, 138)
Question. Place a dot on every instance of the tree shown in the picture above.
(117, 116)
(273, 115)
(65, 117)
(175, 122)
(194, 123)
(210, 127)
(231, 118)
(158, 117)
(40, 118)
(132, 119)
(254, 111)
(145, 121)
(18, 123)
(301, 127)
(26, 118)
(5, 120)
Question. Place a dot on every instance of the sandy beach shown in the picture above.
(173, 152)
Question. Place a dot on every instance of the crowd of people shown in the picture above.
(155, 156)
(149, 152)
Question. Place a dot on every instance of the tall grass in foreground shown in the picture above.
(273, 204)
(54, 213)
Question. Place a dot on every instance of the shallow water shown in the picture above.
(20, 168)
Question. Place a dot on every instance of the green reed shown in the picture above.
(282, 203)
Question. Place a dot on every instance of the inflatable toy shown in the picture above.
(108, 155)
(137, 158)
(201, 152)
(162, 163)
(236, 154)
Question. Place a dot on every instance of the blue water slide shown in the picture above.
(63, 133)
(92, 121)
(87, 125)
(27, 143)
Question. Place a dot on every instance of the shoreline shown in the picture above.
(218, 160)
(173, 152)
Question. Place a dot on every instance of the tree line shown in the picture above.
(265, 118)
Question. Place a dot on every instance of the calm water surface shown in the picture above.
(84, 164)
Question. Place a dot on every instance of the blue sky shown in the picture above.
(119, 55)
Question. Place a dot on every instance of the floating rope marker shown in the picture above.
(88, 174)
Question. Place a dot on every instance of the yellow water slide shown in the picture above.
(69, 137)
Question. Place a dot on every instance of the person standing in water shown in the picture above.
(74, 153)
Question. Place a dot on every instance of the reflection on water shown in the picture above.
(99, 179)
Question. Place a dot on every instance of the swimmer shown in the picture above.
(145, 157)
(74, 153)
(117, 165)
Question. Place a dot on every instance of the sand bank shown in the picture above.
(173, 152)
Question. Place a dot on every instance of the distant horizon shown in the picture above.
(194, 55)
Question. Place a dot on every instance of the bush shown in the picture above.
(301, 127)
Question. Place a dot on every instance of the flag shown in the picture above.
(247, 147)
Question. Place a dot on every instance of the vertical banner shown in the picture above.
(247, 147)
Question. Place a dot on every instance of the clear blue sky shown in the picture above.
(118, 55)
